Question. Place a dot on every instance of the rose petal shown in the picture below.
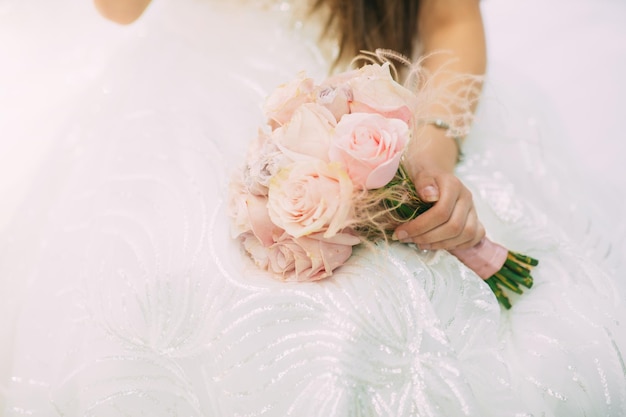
(382, 174)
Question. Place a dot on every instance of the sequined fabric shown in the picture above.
(128, 296)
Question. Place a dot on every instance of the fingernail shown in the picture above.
(424, 247)
(399, 235)
(430, 193)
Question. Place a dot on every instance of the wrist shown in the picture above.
(431, 148)
(449, 133)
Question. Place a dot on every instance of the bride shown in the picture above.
(128, 296)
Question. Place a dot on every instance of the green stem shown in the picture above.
(525, 259)
(525, 280)
(500, 296)
(511, 285)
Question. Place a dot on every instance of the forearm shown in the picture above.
(455, 26)
(452, 38)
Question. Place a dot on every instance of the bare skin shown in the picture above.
(444, 25)
(455, 26)
(121, 11)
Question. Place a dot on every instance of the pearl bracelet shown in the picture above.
(442, 124)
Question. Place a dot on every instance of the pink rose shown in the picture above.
(308, 133)
(311, 197)
(250, 215)
(375, 91)
(283, 101)
(335, 99)
(237, 208)
(257, 251)
(309, 258)
(370, 147)
(263, 162)
(260, 222)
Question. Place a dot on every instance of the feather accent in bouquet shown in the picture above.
(325, 175)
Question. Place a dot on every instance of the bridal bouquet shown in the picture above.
(325, 174)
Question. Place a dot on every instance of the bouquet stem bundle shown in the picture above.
(398, 203)
(514, 273)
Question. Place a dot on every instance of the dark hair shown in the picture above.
(371, 24)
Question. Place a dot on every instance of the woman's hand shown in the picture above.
(451, 223)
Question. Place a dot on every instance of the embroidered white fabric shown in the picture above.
(123, 294)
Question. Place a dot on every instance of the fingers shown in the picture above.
(440, 213)
(469, 234)
(427, 188)
(452, 229)
(452, 223)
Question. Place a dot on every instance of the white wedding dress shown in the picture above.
(124, 295)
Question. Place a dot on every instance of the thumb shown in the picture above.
(427, 188)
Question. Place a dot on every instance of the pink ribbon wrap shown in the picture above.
(485, 258)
